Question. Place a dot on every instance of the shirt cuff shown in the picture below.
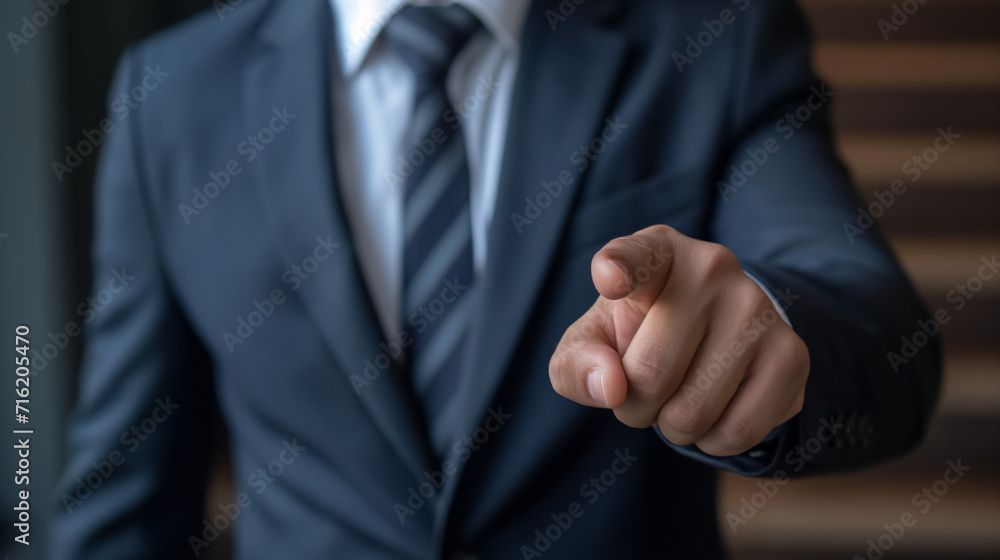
(764, 456)
(770, 296)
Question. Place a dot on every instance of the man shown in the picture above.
(377, 236)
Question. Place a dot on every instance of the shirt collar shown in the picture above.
(359, 23)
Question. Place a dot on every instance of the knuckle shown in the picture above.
(748, 302)
(737, 437)
(647, 373)
(661, 230)
(586, 328)
(685, 417)
(633, 419)
(794, 354)
(752, 296)
(715, 260)
(657, 234)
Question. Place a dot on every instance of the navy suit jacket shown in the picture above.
(329, 459)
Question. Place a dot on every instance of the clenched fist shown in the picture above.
(682, 338)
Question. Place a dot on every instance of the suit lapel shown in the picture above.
(295, 179)
(565, 86)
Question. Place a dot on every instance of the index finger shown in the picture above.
(636, 266)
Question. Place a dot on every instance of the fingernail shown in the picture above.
(595, 384)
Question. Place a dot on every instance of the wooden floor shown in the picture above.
(940, 69)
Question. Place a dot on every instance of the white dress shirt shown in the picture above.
(373, 93)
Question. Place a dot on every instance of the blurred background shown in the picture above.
(940, 69)
(899, 70)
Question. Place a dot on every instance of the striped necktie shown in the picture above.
(437, 255)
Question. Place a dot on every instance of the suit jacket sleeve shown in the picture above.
(138, 440)
(846, 296)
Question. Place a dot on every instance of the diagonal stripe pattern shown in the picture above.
(437, 255)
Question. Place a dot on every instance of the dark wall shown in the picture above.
(54, 75)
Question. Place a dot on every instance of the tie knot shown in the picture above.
(429, 37)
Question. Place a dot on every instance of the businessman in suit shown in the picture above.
(495, 279)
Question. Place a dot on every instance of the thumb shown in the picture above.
(586, 368)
